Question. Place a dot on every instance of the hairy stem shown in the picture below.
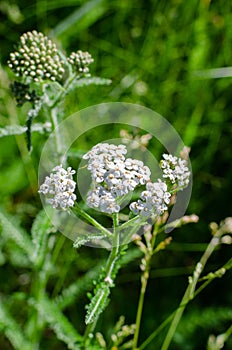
(109, 271)
(114, 252)
(64, 90)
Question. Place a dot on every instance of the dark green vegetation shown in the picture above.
(161, 54)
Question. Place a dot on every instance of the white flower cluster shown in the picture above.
(37, 58)
(176, 170)
(59, 188)
(153, 200)
(113, 176)
(80, 61)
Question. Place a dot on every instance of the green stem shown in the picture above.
(139, 311)
(190, 291)
(156, 332)
(131, 222)
(63, 92)
(88, 332)
(144, 281)
(92, 221)
(135, 225)
(54, 116)
(227, 334)
(113, 257)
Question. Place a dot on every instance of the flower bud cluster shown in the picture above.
(176, 170)
(37, 58)
(153, 200)
(113, 176)
(80, 61)
(59, 188)
(23, 94)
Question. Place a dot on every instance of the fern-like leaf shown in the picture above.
(40, 230)
(12, 330)
(100, 299)
(85, 238)
(12, 231)
(10, 130)
(98, 303)
(88, 81)
(63, 329)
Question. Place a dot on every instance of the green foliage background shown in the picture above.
(159, 54)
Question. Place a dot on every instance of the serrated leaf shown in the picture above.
(41, 127)
(11, 330)
(84, 238)
(11, 230)
(17, 257)
(63, 329)
(88, 81)
(10, 130)
(40, 229)
(98, 303)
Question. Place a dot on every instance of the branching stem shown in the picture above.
(144, 281)
(92, 221)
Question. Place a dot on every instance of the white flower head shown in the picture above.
(154, 200)
(102, 199)
(176, 170)
(112, 172)
(59, 188)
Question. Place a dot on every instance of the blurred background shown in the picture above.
(174, 57)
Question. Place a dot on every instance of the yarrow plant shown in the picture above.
(114, 176)
(122, 196)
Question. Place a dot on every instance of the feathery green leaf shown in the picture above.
(77, 83)
(98, 303)
(12, 330)
(85, 238)
(58, 322)
(10, 130)
(40, 230)
(12, 231)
